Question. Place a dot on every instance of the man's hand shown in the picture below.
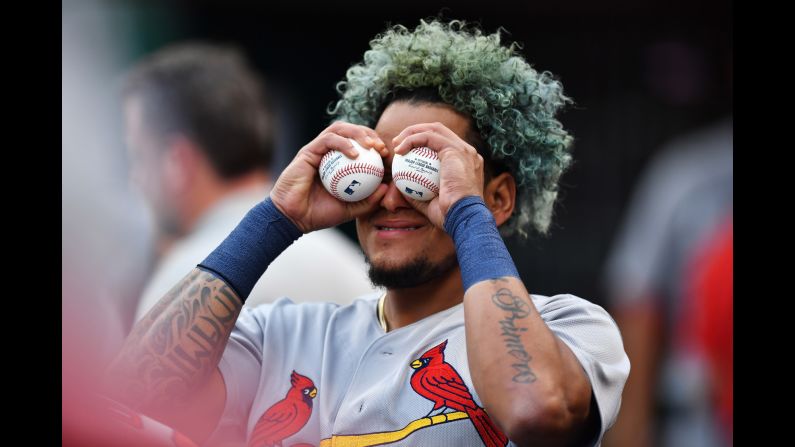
(299, 194)
(460, 170)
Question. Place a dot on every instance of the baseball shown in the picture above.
(416, 174)
(351, 180)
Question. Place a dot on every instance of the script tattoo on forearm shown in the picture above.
(179, 343)
(517, 309)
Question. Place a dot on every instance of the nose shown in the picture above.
(393, 200)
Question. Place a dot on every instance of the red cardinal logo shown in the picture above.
(286, 417)
(437, 381)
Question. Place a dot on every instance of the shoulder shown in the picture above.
(566, 304)
(582, 325)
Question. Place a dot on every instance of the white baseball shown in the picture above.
(416, 174)
(351, 180)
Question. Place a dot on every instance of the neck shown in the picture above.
(406, 306)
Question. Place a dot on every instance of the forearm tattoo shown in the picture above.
(517, 309)
(178, 344)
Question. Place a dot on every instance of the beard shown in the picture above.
(417, 272)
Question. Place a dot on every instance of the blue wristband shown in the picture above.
(481, 251)
(241, 259)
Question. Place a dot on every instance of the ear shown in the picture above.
(500, 197)
(181, 160)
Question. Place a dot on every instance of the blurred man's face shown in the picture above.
(402, 247)
(147, 155)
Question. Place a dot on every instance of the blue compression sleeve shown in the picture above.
(258, 239)
(481, 251)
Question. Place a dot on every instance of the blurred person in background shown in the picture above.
(200, 137)
(669, 285)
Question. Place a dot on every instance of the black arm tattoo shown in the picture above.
(178, 344)
(511, 334)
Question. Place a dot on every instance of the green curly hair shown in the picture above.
(512, 105)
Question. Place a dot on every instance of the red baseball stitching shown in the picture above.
(325, 157)
(426, 152)
(414, 177)
(356, 168)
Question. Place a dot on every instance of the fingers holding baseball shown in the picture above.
(313, 189)
(342, 136)
(330, 141)
(433, 135)
(365, 136)
(337, 137)
(460, 166)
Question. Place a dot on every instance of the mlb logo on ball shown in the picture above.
(349, 190)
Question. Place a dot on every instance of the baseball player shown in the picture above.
(457, 351)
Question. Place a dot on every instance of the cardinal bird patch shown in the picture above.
(287, 416)
(437, 381)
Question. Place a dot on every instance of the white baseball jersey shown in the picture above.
(323, 374)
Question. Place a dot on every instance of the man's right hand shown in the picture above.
(298, 192)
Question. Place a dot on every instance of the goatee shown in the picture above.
(413, 274)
